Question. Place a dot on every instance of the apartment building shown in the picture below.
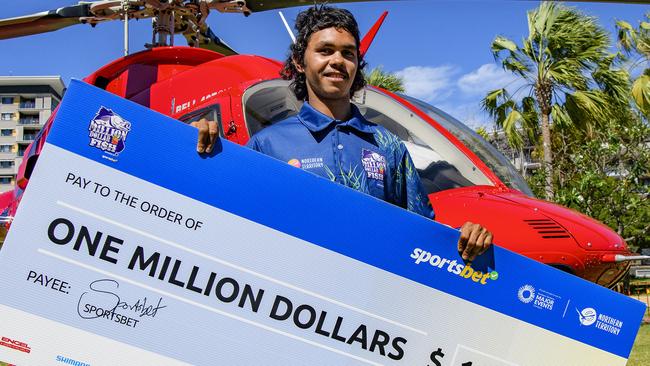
(26, 102)
(522, 159)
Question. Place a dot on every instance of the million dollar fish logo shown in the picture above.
(374, 164)
(108, 131)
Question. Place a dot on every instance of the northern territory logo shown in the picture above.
(108, 131)
(307, 163)
(587, 316)
(604, 322)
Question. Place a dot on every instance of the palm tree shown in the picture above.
(567, 77)
(385, 80)
(638, 40)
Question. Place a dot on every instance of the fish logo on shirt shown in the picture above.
(374, 164)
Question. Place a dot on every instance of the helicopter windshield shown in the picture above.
(494, 159)
(440, 164)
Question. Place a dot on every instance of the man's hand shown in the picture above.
(208, 133)
(474, 240)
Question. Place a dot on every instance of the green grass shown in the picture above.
(640, 355)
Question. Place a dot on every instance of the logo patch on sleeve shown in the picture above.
(374, 164)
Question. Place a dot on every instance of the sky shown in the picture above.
(440, 48)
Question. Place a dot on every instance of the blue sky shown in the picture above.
(441, 48)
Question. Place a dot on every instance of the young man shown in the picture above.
(329, 137)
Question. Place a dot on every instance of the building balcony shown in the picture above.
(28, 108)
(29, 121)
(26, 139)
(7, 171)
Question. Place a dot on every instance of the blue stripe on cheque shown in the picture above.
(303, 205)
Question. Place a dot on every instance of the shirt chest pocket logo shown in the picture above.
(374, 164)
(307, 163)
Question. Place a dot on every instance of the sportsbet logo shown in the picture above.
(453, 266)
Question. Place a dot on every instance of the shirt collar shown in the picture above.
(316, 121)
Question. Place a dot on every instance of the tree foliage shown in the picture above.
(599, 142)
(569, 80)
(637, 42)
(385, 80)
(482, 131)
(607, 176)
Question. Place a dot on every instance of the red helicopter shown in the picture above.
(467, 178)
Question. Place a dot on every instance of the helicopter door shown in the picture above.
(219, 110)
(210, 113)
(268, 102)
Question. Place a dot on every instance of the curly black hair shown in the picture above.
(308, 22)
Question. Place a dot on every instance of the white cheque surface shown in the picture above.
(129, 248)
(321, 287)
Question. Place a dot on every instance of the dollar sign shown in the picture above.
(434, 355)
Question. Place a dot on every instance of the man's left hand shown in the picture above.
(474, 240)
(208, 133)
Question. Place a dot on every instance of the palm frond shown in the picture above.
(514, 65)
(563, 72)
(530, 118)
(560, 116)
(625, 35)
(493, 100)
(510, 126)
(587, 108)
(614, 82)
(385, 80)
(641, 92)
(501, 43)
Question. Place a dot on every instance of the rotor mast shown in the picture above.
(125, 9)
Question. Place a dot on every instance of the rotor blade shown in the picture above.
(263, 5)
(43, 22)
(370, 36)
(613, 1)
(208, 40)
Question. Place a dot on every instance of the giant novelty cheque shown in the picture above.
(130, 249)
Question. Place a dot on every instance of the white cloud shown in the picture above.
(486, 78)
(428, 83)
(470, 114)
(458, 94)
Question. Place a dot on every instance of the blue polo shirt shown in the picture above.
(356, 153)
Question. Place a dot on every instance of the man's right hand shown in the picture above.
(208, 133)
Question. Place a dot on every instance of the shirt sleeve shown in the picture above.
(410, 190)
(253, 143)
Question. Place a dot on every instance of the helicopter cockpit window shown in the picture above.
(211, 113)
(267, 103)
(494, 159)
(439, 162)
